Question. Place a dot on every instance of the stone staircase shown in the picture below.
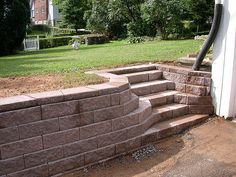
(179, 98)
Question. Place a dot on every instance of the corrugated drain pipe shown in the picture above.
(211, 37)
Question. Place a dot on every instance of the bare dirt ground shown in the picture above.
(208, 150)
(13, 86)
(20, 85)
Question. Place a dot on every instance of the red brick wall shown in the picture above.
(41, 10)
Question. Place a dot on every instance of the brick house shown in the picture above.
(44, 12)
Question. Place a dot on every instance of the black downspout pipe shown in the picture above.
(211, 37)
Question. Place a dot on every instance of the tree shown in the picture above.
(97, 18)
(200, 11)
(164, 16)
(73, 13)
(14, 18)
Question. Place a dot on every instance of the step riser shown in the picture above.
(145, 77)
(162, 100)
(149, 89)
(192, 100)
(155, 136)
(193, 89)
(166, 115)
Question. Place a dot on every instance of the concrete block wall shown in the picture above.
(46, 134)
(50, 133)
(194, 88)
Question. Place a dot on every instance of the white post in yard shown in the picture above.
(224, 63)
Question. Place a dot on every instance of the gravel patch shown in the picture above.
(144, 152)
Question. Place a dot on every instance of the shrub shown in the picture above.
(134, 40)
(14, 18)
(99, 39)
(53, 42)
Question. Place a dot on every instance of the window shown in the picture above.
(36, 11)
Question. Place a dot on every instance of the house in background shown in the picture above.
(44, 12)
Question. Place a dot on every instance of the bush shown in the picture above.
(39, 29)
(99, 39)
(134, 40)
(54, 42)
(14, 18)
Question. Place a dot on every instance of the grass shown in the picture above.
(64, 59)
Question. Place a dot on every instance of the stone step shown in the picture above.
(161, 98)
(190, 99)
(144, 76)
(150, 87)
(171, 127)
(193, 89)
(133, 69)
(168, 111)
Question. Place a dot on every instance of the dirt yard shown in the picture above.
(208, 150)
(13, 86)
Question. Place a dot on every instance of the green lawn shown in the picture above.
(66, 60)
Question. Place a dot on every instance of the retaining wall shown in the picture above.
(49, 133)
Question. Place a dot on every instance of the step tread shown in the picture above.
(175, 122)
(158, 95)
(168, 107)
(132, 69)
(149, 83)
(141, 73)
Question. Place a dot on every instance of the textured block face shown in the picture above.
(66, 164)
(131, 105)
(180, 87)
(16, 102)
(60, 138)
(77, 120)
(79, 147)
(207, 82)
(125, 96)
(18, 117)
(125, 121)
(60, 109)
(180, 98)
(11, 165)
(115, 99)
(194, 80)
(99, 154)
(91, 104)
(180, 111)
(197, 100)
(111, 138)
(95, 129)
(138, 78)
(38, 128)
(39, 171)
(134, 131)
(8, 135)
(201, 109)
(43, 157)
(158, 88)
(108, 113)
(128, 145)
(196, 90)
(155, 75)
(21, 147)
